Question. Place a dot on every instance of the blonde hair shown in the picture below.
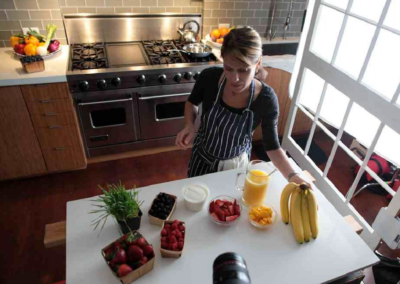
(244, 44)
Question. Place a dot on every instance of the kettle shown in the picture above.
(189, 36)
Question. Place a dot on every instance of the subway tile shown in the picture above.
(225, 21)
(248, 13)
(253, 21)
(189, 9)
(208, 13)
(56, 15)
(227, 5)
(303, 6)
(123, 9)
(113, 3)
(267, 6)
(60, 35)
(2, 44)
(3, 15)
(165, 3)
(182, 3)
(95, 3)
(218, 13)
(58, 23)
(199, 10)
(76, 3)
(62, 3)
(282, 6)
(26, 4)
(5, 35)
(210, 22)
(40, 15)
(298, 14)
(265, 21)
(105, 10)
(63, 41)
(241, 5)
(262, 13)
(196, 4)
(157, 10)
(7, 43)
(173, 9)
(234, 13)
(69, 10)
(240, 21)
(86, 10)
(47, 4)
(141, 10)
(9, 25)
(211, 5)
(7, 4)
(18, 15)
(149, 3)
(255, 5)
(296, 6)
(32, 24)
(131, 3)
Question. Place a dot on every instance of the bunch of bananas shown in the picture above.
(303, 213)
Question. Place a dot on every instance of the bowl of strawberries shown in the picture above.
(173, 239)
(224, 210)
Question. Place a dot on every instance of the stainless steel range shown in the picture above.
(129, 82)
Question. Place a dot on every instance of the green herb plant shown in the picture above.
(117, 202)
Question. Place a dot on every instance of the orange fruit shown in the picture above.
(215, 34)
(220, 40)
(223, 31)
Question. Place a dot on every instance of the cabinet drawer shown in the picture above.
(58, 136)
(45, 92)
(67, 158)
(50, 106)
(52, 119)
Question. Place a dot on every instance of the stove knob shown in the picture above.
(188, 75)
(196, 75)
(83, 86)
(162, 78)
(141, 79)
(116, 81)
(102, 84)
(178, 77)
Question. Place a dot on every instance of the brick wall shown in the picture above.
(16, 14)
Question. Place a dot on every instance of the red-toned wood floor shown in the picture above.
(27, 205)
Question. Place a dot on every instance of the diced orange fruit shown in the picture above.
(261, 214)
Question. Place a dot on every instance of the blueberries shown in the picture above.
(162, 206)
(31, 59)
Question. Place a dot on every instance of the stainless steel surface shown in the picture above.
(287, 24)
(131, 54)
(196, 50)
(188, 35)
(271, 33)
(163, 96)
(125, 27)
(104, 102)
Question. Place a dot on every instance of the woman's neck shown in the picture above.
(245, 92)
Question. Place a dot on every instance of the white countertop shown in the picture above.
(12, 73)
(272, 255)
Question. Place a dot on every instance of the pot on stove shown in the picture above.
(189, 36)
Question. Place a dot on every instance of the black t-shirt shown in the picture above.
(265, 107)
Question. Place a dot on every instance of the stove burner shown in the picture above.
(88, 56)
(162, 52)
(166, 57)
(84, 65)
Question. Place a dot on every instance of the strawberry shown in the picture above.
(234, 203)
(110, 254)
(237, 209)
(231, 218)
(167, 227)
(176, 222)
(141, 242)
(181, 228)
(221, 215)
(118, 245)
(147, 250)
(215, 216)
(173, 233)
(231, 210)
(164, 232)
(164, 239)
(180, 240)
(174, 226)
(178, 234)
(123, 270)
(172, 240)
(180, 245)
(174, 246)
(135, 253)
(227, 212)
(164, 245)
(143, 260)
(220, 203)
(120, 256)
(212, 207)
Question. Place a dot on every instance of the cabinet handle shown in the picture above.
(55, 126)
(47, 101)
(49, 114)
(59, 148)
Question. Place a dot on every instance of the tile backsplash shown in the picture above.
(18, 14)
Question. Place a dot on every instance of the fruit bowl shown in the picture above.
(271, 218)
(212, 43)
(230, 207)
(44, 56)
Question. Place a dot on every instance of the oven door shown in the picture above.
(108, 118)
(162, 110)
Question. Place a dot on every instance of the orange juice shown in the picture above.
(255, 187)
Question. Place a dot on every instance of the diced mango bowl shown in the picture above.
(262, 216)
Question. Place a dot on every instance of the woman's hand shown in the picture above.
(298, 179)
(184, 137)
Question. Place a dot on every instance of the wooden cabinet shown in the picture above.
(20, 153)
(279, 80)
(39, 131)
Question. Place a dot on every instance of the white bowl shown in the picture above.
(195, 204)
(212, 43)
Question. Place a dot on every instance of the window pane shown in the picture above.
(354, 46)
(362, 125)
(388, 145)
(392, 17)
(311, 90)
(383, 71)
(334, 107)
(370, 9)
(329, 22)
(338, 3)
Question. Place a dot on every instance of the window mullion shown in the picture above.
(396, 95)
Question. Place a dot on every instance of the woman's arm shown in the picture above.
(281, 162)
(186, 135)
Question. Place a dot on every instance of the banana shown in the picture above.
(295, 216)
(286, 192)
(305, 216)
(312, 211)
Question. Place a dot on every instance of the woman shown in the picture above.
(234, 103)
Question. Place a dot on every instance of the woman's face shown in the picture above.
(238, 74)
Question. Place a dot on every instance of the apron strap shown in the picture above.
(252, 89)
(222, 84)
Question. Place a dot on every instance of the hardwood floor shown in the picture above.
(27, 205)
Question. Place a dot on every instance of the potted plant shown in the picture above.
(122, 204)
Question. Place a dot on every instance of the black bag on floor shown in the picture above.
(387, 271)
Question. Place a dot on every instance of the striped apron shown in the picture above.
(222, 135)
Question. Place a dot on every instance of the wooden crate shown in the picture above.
(158, 221)
(34, 67)
(171, 253)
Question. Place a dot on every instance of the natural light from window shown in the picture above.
(389, 145)
(392, 18)
(338, 3)
(311, 90)
(334, 115)
(370, 9)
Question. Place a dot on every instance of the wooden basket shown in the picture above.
(158, 221)
(34, 67)
(166, 253)
(135, 274)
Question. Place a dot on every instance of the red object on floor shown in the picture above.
(377, 164)
(396, 186)
(61, 282)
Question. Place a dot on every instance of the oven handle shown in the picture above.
(163, 96)
(105, 102)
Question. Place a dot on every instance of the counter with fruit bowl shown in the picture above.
(272, 255)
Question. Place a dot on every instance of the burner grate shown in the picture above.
(162, 52)
(88, 56)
